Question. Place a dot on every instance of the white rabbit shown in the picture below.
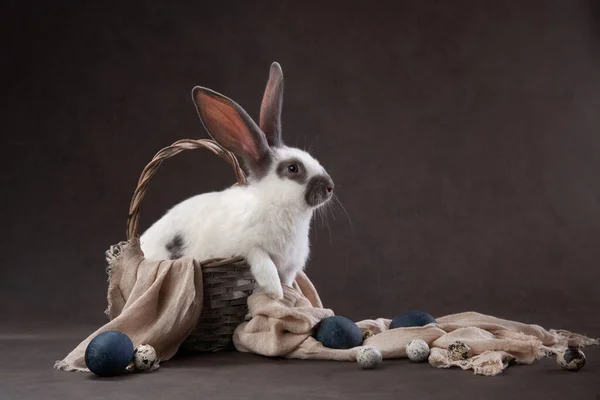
(268, 221)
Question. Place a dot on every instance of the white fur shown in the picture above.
(267, 222)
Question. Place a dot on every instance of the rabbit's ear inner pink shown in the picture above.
(232, 127)
(270, 109)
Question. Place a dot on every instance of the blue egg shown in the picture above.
(338, 333)
(109, 353)
(411, 318)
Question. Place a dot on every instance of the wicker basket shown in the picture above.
(227, 281)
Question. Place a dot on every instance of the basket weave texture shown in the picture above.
(227, 281)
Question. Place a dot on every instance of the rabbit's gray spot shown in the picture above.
(175, 247)
(318, 190)
(282, 170)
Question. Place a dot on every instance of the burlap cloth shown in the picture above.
(159, 303)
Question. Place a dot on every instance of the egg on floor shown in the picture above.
(338, 332)
(572, 359)
(145, 358)
(109, 353)
(417, 350)
(411, 318)
(369, 357)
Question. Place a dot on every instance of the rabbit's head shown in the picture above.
(285, 174)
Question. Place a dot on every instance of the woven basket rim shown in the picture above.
(152, 167)
(227, 281)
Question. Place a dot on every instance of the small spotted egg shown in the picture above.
(572, 359)
(367, 335)
(368, 357)
(145, 358)
(459, 351)
(417, 350)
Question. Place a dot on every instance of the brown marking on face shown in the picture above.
(293, 169)
(318, 190)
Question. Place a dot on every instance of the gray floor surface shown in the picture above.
(27, 358)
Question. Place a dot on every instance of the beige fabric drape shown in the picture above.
(159, 302)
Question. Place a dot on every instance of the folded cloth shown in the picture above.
(284, 328)
(155, 302)
(159, 302)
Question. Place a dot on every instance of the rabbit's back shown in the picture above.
(226, 224)
(202, 227)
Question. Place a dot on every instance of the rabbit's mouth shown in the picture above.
(319, 190)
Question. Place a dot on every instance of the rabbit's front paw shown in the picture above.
(274, 291)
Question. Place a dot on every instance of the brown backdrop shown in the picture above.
(463, 137)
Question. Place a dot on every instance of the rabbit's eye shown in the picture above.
(293, 168)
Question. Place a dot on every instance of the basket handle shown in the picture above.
(168, 152)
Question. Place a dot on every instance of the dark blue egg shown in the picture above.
(338, 333)
(109, 353)
(411, 318)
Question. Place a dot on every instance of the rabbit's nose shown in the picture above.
(328, 183)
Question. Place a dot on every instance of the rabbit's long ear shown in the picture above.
(232, 128)
(270, 108)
